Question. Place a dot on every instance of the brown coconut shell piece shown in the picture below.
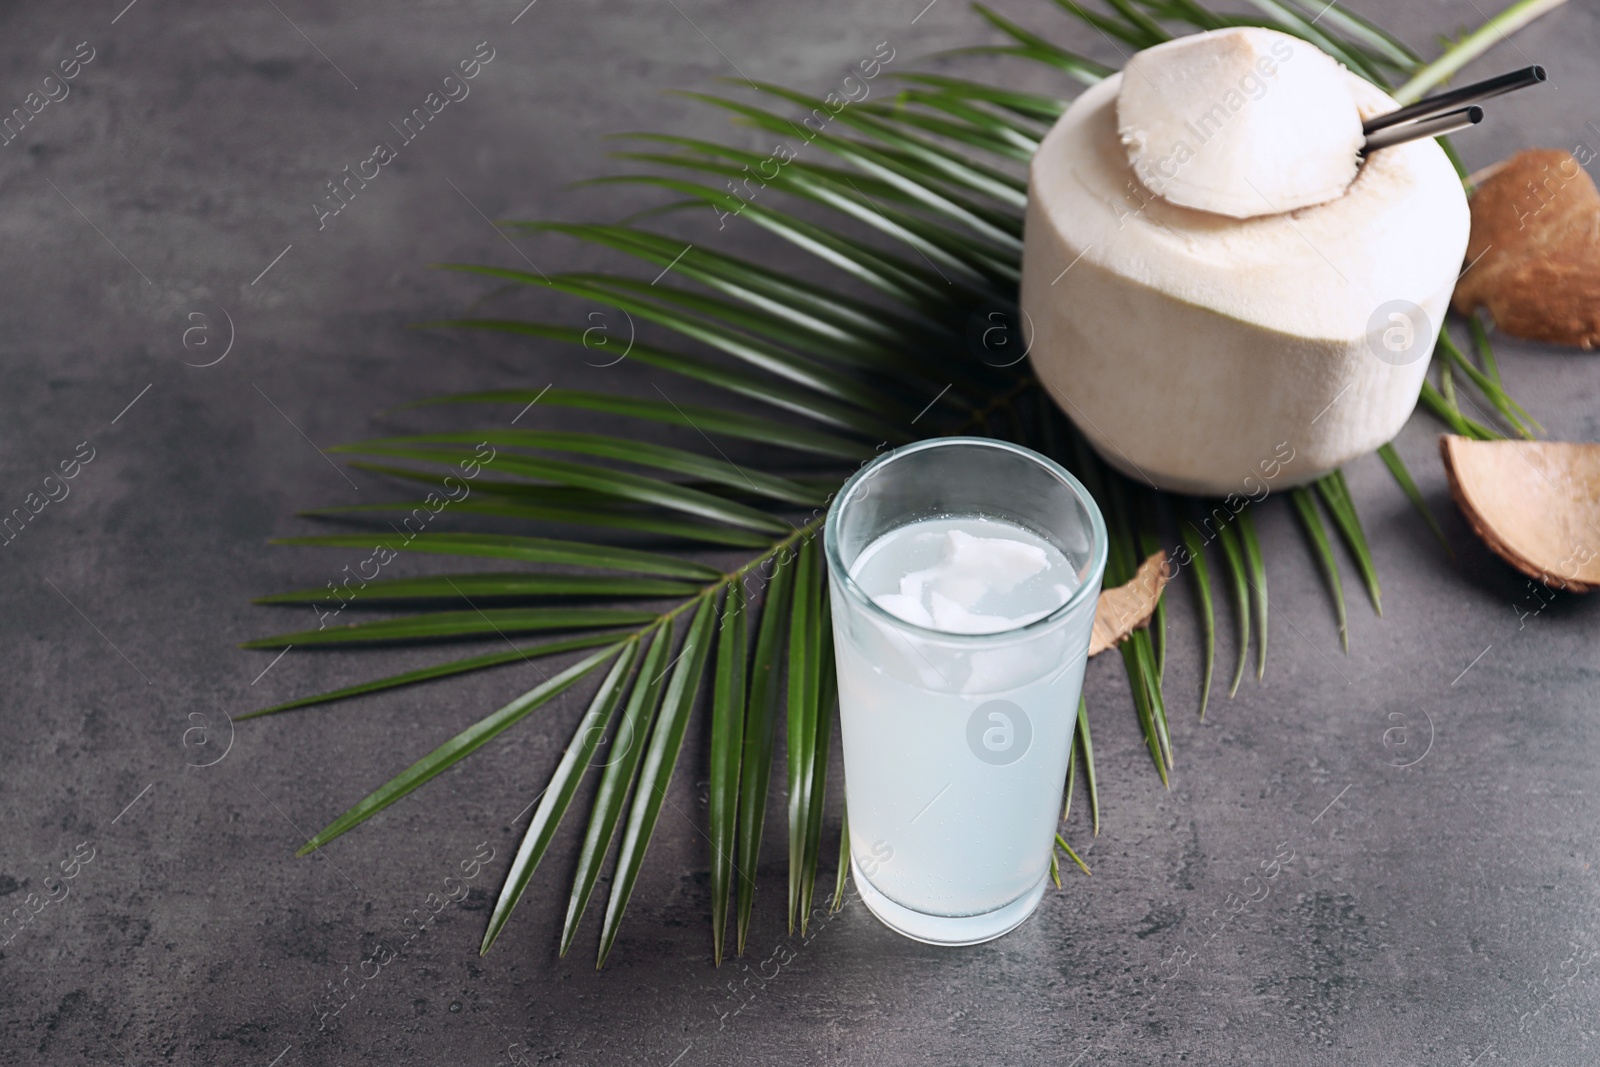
(1533, 258)
(1122, 610)
(1535, 503)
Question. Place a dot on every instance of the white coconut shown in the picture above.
(1208, 354)
(1242, 122)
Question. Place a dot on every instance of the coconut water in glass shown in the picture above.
(964, 574)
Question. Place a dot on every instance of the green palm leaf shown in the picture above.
(438, 624)
(804, 708)
(517, 654)
(618, 778)
(661, 457)
(975, 130)
(559, 792)
(1086, 747)
(842, 872)
(761, 355)
(515, 500)
(981, 254)
(782, 395)
(1142, 707)
(925, 289)
(458, 748)
(914, 221)
(925, 185)
(1208, 616)
(825, 692)
(727, 748)
(512, 584)
(760, 735)
(1061, 843)
(1149, 537)
(1336, 497)
(1397, 467)
(939, 162)
(1511, 411)
(827, 314)
(635, 488)
(818, 342)
(1306, 507)
(1150, 678)
(524, 549)
(1234, 554)
(695, 416)
(1258, 582)
(980, 259)
(1029, 105)
(660, 756)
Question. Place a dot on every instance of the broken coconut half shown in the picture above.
(1207, 353)
(1535, 503)
(1534, 255)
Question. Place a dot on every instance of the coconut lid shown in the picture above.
(1241, 122)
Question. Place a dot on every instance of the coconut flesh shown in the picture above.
(1221, 294)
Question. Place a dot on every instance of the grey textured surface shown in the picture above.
(1440, 913)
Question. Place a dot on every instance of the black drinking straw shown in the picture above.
(1438, 126)
(1456, 99)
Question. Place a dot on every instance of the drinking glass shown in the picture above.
(956, 745)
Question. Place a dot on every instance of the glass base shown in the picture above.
(953, 930)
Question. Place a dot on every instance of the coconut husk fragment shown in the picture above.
(1126, 608)
(1536, 504)
(1533, 258)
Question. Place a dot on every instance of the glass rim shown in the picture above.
(1098, 547)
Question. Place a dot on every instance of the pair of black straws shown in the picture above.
(1445, 113)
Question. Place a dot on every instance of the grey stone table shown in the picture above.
(1443, 912)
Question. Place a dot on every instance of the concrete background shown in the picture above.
(1441, 913)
